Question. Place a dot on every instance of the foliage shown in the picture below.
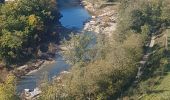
(79, 48)
(150, 14)
(23, 25)
(113, 64)
(102, 77)
(7, 89)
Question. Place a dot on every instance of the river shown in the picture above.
(74, 16)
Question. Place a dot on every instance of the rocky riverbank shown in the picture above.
(104, 19)
(31, 67)
(44, 58)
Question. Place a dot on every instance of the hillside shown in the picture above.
(122, 53)
(161, 91)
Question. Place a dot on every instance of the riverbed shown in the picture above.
(73, 17)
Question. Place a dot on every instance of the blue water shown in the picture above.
(31, 81)
(74, 16)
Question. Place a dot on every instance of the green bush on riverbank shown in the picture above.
(99, 72)
(24, 25)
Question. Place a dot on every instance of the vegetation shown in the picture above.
(147, 18)
(7, 89)
(101, 69)
(105, 70)
(154, 80)
(23, 26)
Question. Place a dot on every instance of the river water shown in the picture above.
(74, 16)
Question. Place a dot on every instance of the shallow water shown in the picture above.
(74, 16)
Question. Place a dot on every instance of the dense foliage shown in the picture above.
(103, 71)
(102, 67)
(99, 71)
(7, 89)
(144, 16)
(24, 25)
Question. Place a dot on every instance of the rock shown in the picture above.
(92, 22)
(93, 17)
(65, 72)
(30, 95)
(22, 67)
(88, 5)
(63, 48)
(39, 63)
(97, 29)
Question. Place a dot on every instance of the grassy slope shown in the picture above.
(162, 90)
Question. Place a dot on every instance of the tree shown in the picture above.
(104, 70)
(78, 48)
(101, 77)
(23, 25)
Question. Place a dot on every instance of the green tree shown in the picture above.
(23, 26)
(78, 48)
